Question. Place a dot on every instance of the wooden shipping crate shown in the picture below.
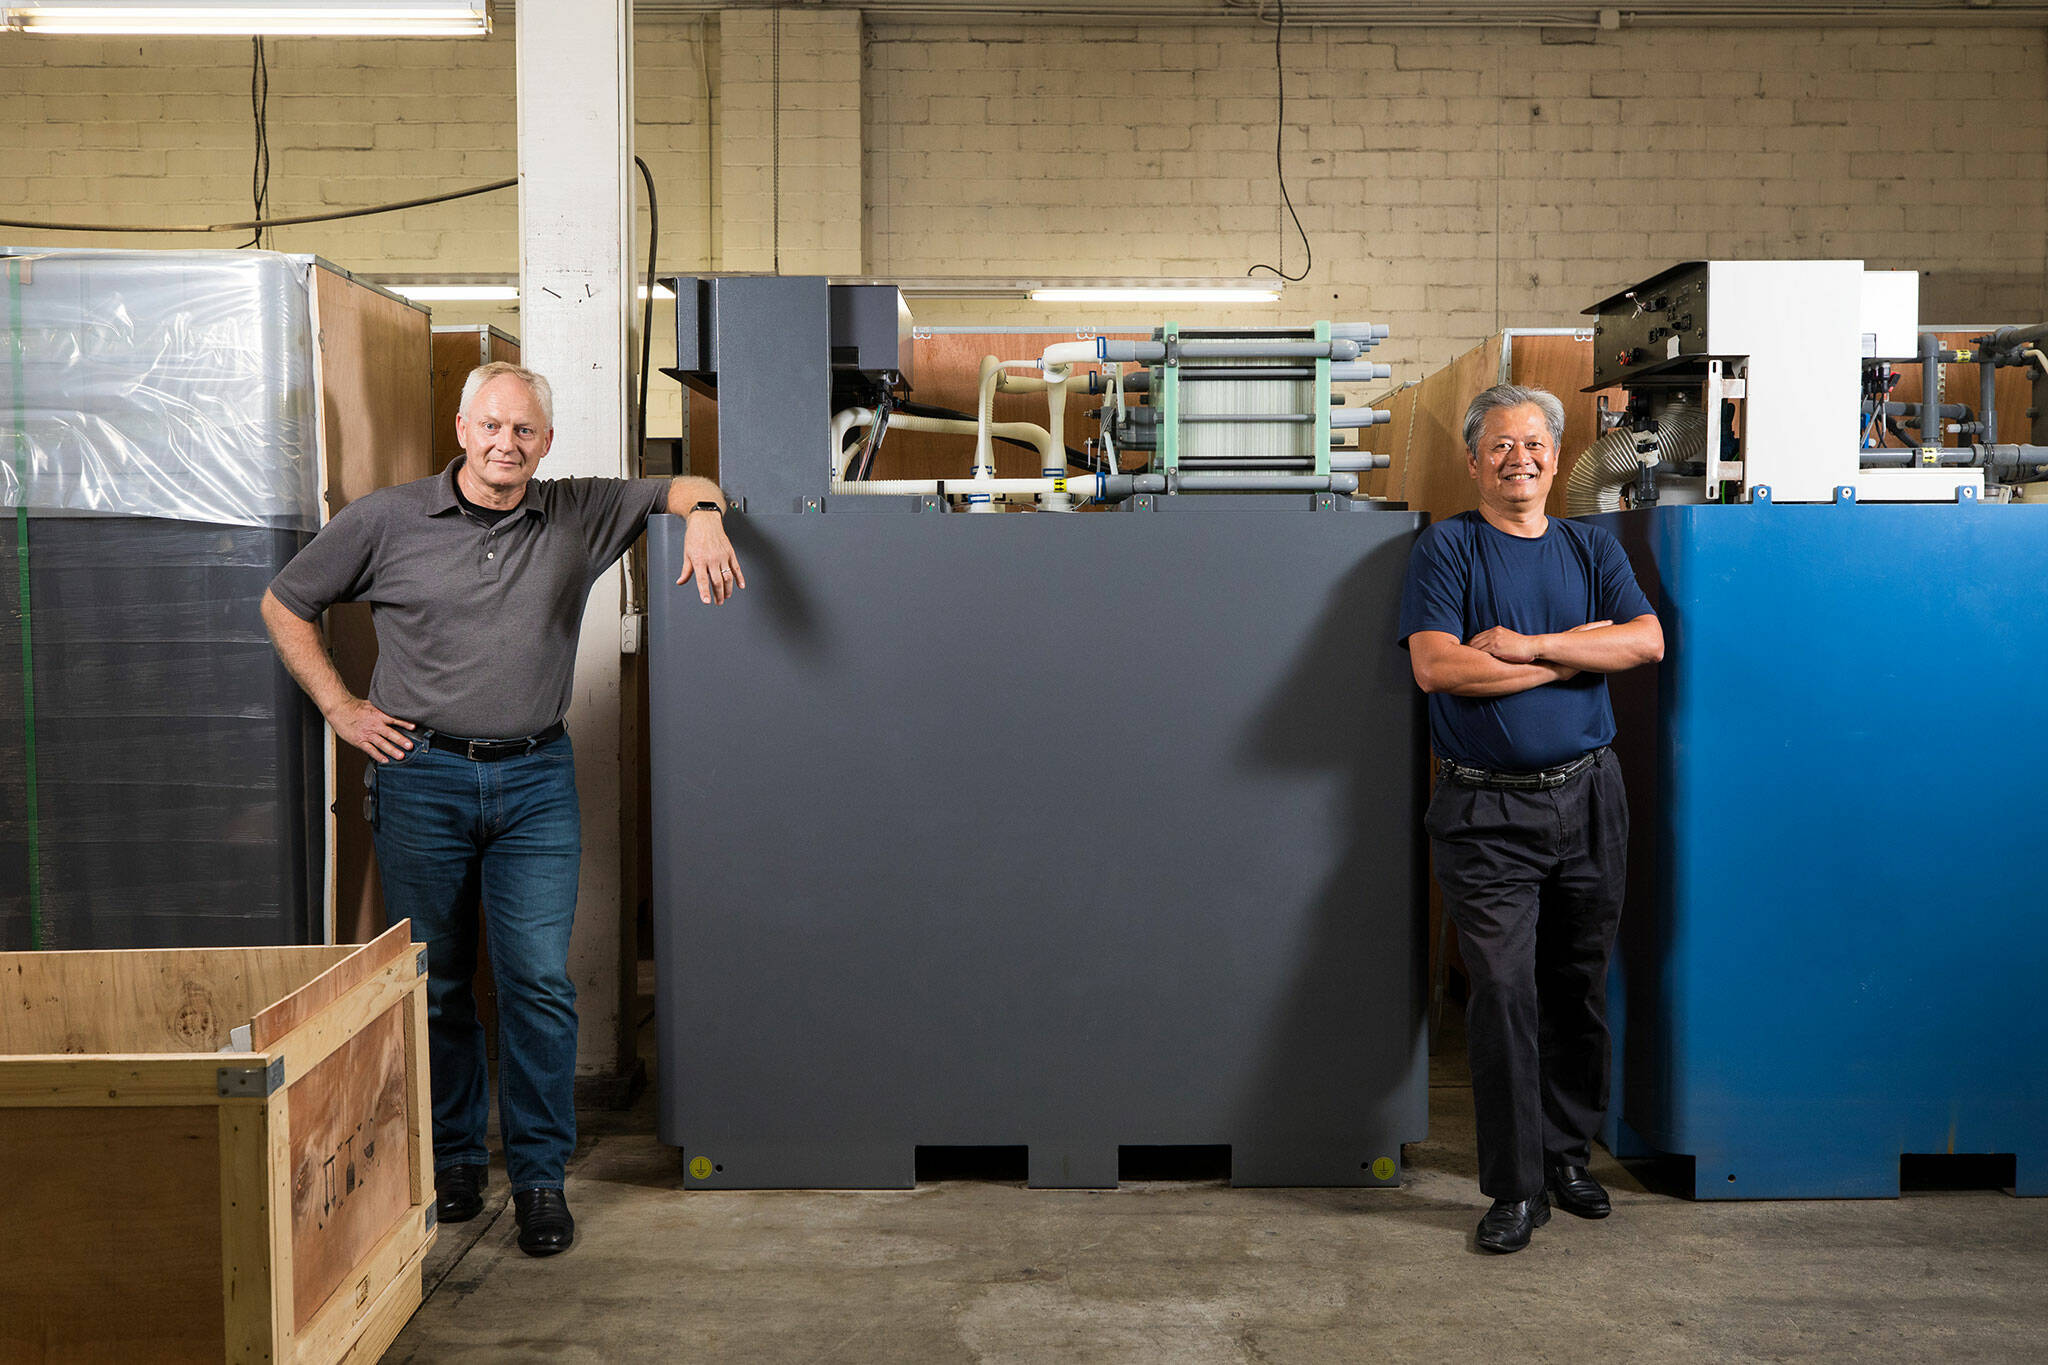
(170, 1202)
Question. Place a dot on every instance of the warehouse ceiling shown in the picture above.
(1440, 13)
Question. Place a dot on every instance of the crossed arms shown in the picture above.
(1499, 662)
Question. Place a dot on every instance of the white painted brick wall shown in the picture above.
(1455, 182)
(1452, 181)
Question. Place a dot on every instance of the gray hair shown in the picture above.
(1512, 396)
(543, 393)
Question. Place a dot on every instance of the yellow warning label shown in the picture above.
(1930, 455)
(1383, 1169)
(700, 1166)
(1059, 485)
(1962, 355)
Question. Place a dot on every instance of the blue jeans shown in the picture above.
(451, 833)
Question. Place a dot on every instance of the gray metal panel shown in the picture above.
(1063, 831)
(870, 328)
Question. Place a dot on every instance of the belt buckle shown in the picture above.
(470, 749)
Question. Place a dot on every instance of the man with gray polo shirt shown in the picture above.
(477, 579)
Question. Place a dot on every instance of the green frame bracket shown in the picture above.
(1167, 456)
(1321, 453)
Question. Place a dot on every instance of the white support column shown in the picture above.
(576, 237)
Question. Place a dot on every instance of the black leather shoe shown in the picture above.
(545, 1226)
(459, 1193)
(1575, 1191)
(1509, 1222)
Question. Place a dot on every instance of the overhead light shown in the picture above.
(1135, 293)
(454, 293)
(1225, 289)
(389, 18)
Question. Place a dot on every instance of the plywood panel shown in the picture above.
(948, 375)
(287, 1012)
(350, 1169)
(457, 351)
(376, 416)
(112, 1247)
(1436, 479)
(173, 1000)
(1391, 440)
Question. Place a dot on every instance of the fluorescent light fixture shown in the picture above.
(1224, 289)
(399, 18)
(1150, 294)
(454, 293)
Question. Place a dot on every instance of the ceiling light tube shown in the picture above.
(1152, 294)
(391, 18)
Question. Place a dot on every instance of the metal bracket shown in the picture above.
(432, 1215)
(1326, 502)
(1965, 493)
(811, 505)
(1844, 494)
(420, 963)
(1761, 493)
(251, 1082)
(1143, 502)
(929, 502)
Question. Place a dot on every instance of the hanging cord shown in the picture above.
(259, 112)
(646, 320)
(1280, 166)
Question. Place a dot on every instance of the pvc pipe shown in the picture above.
(1931, 433)
(1070, 353)
(1085, 485)
(1039, 438)
(1360, 417)
(1147, 351)
(1359, 462)
(1987, 402)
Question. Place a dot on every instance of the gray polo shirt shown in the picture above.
(476, 626)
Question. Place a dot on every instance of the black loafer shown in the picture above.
(1509, 1222)
(545, 1226)
(1573, 1189)
(459, 1193)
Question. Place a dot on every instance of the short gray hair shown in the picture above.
(1512, 396)
(537, 383)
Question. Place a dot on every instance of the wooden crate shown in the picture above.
(170, 1202)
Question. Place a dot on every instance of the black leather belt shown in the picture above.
(491, 750)
(1546, 779)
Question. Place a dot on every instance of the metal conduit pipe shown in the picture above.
(1987, 402)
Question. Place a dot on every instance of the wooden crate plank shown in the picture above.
(168, 1000)
(350, 1158)
(247, 1260)
(118, 1080)
(420, 1140)
(314, 1041)
(112, 1250)
(290, 1011)
(347, 1320)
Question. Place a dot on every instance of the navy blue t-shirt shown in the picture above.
(1465, 577)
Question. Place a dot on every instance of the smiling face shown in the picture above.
(504, 434)
(1515, 462)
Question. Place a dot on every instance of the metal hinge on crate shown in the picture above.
(238, 1082)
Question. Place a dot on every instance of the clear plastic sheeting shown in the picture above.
(169, 384)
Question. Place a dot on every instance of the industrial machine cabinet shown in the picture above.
(1064, 832)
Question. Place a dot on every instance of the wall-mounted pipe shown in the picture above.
(2006, 463)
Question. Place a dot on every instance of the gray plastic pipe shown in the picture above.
(2009, 463)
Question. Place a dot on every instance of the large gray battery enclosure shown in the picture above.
(1065, 832)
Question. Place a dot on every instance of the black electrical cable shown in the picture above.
(1279, 165)
(333, 216)
(259, 112)
(646, 318)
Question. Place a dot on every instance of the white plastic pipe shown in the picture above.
(1049, 450)
(1084, 485)
(1069, 353)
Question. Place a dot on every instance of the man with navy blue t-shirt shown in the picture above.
(1512, 620)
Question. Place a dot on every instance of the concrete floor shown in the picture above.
(1192, 1272)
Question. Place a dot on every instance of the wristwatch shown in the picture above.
(707, 506)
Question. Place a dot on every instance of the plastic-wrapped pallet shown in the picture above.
(162, 780)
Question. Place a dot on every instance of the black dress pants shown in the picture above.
(1533, 882)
